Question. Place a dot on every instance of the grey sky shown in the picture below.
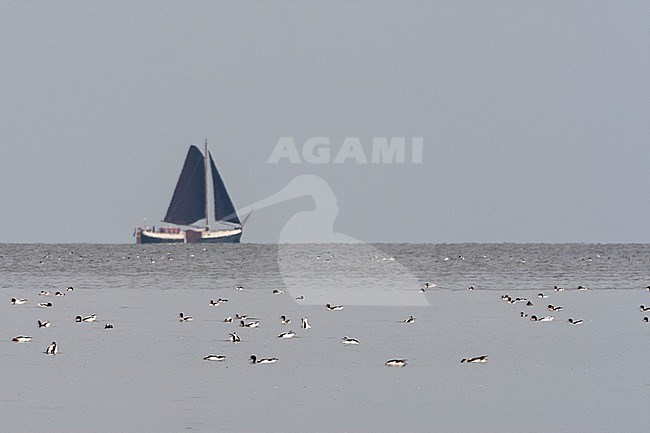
(534, 115)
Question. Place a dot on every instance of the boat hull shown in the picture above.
(227, 239)
(190, 237)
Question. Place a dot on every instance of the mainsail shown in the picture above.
(224, 210)
(188, 202)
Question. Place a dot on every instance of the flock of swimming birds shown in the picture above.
(304, 324)
(52, 349)
(245, 321)
(555, 308)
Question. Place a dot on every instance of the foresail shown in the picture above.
(224, 210)
(188, 202)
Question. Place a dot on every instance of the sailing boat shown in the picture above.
(190, 204)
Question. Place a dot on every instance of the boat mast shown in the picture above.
(207, 207)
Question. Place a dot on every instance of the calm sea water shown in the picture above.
(147, 374)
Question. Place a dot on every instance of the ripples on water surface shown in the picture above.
(147, 374)
(453, 267)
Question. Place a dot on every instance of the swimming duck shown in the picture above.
(278, 292)
(91, 318)
(476, 359)
(574, 322)
(334, 307)
(214, 358)
(52, 349)
(234, 338)
(21, 339)
(184, 318)
(409, 319)
(287, 335)
(644, 308)
(348, 340)
(45, 324)
(254, 360)
(396, 362)
(285, 320)
(253, 324)
(44, 304)
(15, 301)
(541, 319)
